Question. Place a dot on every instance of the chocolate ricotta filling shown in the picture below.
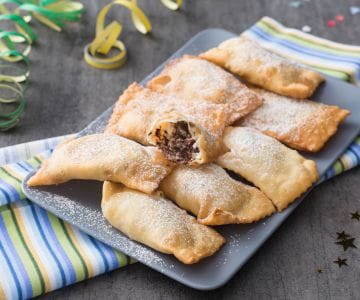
(178, 147)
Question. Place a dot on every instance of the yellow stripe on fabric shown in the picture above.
(310, 39)
(80, 250)
(65, 242)
(2, 293)
(13, 172)
(23, 252)
(345, 162)
(31, 248)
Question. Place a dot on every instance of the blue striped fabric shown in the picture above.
(322, 54)
(38, 251)
(352, 61)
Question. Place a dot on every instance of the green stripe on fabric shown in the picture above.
(337, 74)
(122, 258)
(4, 208)
(311, 42)
(33, 162)
(27, 259)
(338, 168)
(66, 243)
(5, 174)
(86, 271)
(10, 179)
(13, 181)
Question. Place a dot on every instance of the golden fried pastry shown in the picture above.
(301, 124)
(195, 80)
(255, 64)
(104, 157)
(186, 133)
(158, 223)
(281, 173)
(214, 197)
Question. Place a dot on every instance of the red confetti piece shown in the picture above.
(331, 23)
(340, 18)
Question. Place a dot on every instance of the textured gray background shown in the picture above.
(65, 94)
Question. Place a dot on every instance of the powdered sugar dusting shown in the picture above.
(108, 157)
(159, 223)
(246, 50)
(233, 246)
(210, 182)
(283, 115)
(208, 188)
(196, 80)
(138, 108)
(267, 152)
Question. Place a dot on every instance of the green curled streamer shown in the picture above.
(15, 83)
(51, 13)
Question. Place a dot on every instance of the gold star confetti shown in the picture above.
(355, 215)
(347, 243)
(340, 262)
(342, 235)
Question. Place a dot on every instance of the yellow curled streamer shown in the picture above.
(97, 52)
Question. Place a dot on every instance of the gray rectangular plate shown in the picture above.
(78, 202)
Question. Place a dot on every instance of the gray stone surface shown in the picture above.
(65, 94)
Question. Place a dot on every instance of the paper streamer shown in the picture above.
(14, 63)
(97, 52)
